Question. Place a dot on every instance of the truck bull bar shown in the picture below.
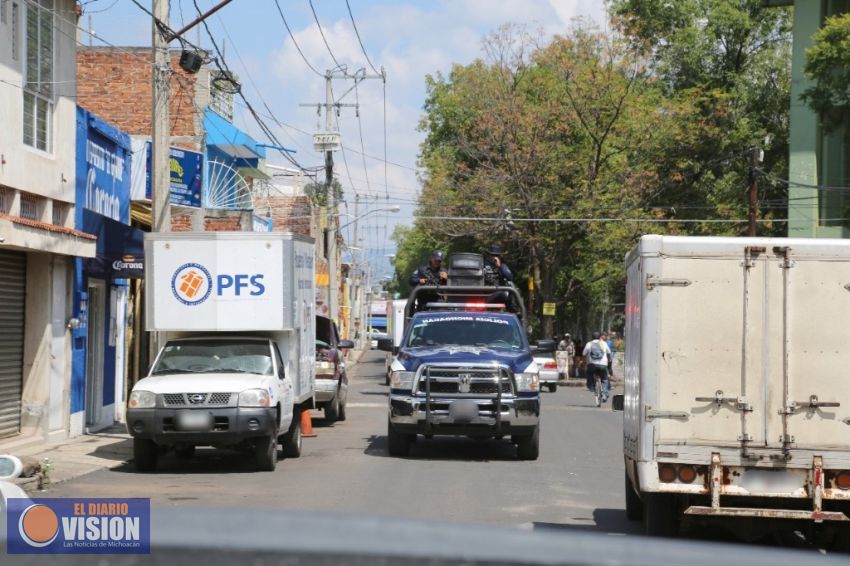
(817, 514)
(502, 376)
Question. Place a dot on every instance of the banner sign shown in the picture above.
(186, 169)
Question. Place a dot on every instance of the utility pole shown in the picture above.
(354, 268)
(756, 157)
(160, 134)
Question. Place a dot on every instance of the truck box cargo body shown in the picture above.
(736, 350)
(234, 314)
(237, 282)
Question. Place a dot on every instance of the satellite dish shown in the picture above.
(226, 188)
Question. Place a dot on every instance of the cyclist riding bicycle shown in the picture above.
(597, 354)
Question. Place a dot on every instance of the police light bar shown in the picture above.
(470, 305)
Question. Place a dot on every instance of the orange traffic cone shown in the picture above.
(307, 424)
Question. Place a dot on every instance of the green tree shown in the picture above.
(318, 192)
(828, 65)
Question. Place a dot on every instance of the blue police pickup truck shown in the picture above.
(464, 367)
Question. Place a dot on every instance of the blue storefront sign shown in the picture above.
(103, 171)
(186, 176)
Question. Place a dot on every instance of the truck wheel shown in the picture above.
(398, 444)
(291, 441)
(185, 452)
(332, 409)
(528, 447)
(265, 452)
(387, 378)
(145, 454)
(660, 515)
(634, 506)
(342, 415)
(553, 388)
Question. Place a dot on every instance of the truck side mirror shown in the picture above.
(345, 345)
(617, 402)
(385, 344)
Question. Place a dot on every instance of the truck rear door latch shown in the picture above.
(719, 399)
(652, 282)
(811, 405)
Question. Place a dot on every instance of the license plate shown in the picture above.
(194, 421)
(463, 410)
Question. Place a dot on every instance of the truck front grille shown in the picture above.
(466, 380)
(196, 399)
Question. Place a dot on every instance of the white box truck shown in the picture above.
(234, 313)
(395, 331)
(737, 402)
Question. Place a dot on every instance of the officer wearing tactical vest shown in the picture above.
(432, 273)
(496, 273)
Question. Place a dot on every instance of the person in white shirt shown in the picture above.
(597, 354)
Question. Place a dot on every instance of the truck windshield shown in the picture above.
(481, 331)
(215, 356)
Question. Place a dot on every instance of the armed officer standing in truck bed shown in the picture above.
(431, 273)
(496, 273)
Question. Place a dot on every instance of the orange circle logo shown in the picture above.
(38, 525)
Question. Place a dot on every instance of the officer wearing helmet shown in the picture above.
(431, 273)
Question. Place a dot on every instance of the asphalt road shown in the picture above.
(576, 483)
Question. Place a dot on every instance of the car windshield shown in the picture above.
(481, 331)
(215, 356)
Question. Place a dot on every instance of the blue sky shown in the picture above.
(409, 38)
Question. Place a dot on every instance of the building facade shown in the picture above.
(818, 156)
(38, 238)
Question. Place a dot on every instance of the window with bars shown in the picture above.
(4, 11)
(30, 206)
(5, 199)
(38, 73)
(60, 212)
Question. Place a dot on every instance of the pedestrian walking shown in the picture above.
(565, 356)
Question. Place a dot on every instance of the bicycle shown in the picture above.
(598, 389)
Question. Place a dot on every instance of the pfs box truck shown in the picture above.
(235, 316)
(737, 393)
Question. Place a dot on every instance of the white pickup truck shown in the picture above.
(736, 400)
(235, 315)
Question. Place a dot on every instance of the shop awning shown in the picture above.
(226, 137)
(120, 248)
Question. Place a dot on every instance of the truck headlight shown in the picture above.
(142, 400)
(402, 379)
(254, 398)
(528, 381)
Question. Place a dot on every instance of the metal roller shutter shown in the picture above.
(13, 267)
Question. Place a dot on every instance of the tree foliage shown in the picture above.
(828, 65)
(318, 192)
(562, 150)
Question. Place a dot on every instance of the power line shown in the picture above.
(322, 33)
(802, 185)
(360, 41)
(292, 37)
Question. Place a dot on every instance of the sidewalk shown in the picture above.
(89, 453)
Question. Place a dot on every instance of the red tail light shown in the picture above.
(550, 365)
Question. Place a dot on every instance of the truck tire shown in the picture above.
(145, 454)
(398, 444)
(265, 452)
(528, 446)
(291, 441)
(332, 409)
(660, 515)
(342, 415)
(634, 506)
(553, 388)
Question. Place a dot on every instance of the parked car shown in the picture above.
(331, 380)
(548, 372)
(374, 336)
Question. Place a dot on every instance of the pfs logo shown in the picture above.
(78, 526)
(191, 284)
